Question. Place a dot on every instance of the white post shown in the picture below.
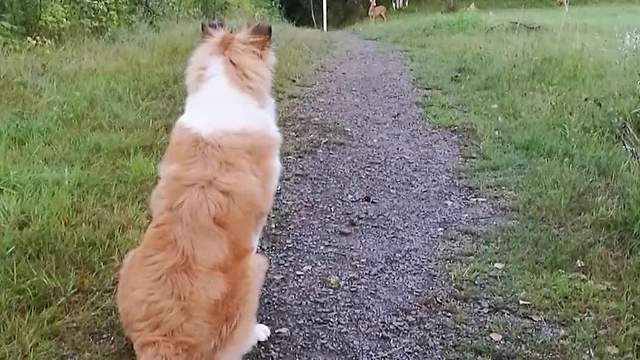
(324, 15)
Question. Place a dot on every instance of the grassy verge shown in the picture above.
(554, 113)
(82, 128)
(422, 6)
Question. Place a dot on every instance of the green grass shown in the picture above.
(552, 116)
(430, 6)
(82, 128)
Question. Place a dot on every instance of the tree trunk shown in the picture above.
(313, 16)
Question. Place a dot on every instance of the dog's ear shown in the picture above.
(261, 35)
(261, 30)
(209, 28)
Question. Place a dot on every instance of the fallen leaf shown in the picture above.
(579, 263)
(578, 276)
(332, 282)
(536, 318)
(607, 286)
(499, 266)
(524, 302)
(613, 350)
(610, 286)
(495, 337)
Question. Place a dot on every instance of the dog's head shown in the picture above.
(246, 55)
(253, 34)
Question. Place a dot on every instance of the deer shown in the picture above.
(376, 10)
(564, 4)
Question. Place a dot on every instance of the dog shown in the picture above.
(190, 290)
(376, 10)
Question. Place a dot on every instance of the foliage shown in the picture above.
(46, 21)
(345, 12)
(340, 12)
(51, 19)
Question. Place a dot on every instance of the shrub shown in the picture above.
(45, 21)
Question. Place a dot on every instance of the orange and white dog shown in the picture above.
(190, 290)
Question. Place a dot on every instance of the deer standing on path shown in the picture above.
(375, 11)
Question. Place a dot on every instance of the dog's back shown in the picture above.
(194, 282)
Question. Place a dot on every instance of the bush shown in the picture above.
(45, 21)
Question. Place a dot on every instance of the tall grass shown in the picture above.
(82, 128)
(555, 111)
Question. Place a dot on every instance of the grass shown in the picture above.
(430, 6)
(553, 120)
(82, 128)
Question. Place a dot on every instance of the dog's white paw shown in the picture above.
(262, 332)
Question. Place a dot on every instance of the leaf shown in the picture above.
(8, 26)
(524, 302)
(495, 337)
(579, 263)
(607, 286)
(536, 318)
(499, 266)
(332, 282)
(579, 276)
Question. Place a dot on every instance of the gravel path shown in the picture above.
(356, 244)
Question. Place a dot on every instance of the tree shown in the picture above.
(340, 12)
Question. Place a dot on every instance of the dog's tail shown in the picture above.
(158, 354)
(151, 356)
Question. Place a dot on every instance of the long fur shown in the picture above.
(191, 289)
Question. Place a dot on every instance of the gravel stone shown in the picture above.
(359, 154)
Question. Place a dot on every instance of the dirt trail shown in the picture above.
(368, 190)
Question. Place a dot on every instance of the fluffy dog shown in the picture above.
(191, 289)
